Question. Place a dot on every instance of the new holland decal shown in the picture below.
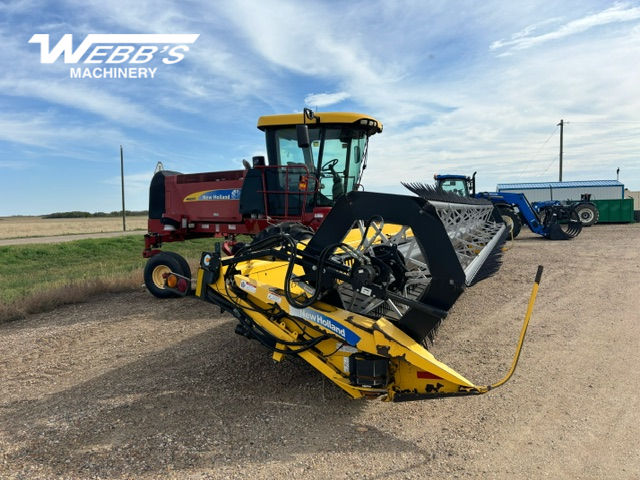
(330, 324)
(213, 195)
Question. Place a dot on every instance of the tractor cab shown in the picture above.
(312, 158)
(458, 184)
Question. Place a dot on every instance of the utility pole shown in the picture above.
(561, 124)
(124, 221)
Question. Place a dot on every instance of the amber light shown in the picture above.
(172, 281)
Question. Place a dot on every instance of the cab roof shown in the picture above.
(321, 118)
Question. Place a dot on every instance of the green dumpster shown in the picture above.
(615, 211)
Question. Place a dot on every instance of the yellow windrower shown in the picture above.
(359, 299)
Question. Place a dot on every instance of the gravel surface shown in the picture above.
(129, 386)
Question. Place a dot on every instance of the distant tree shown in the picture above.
(74, 214)
(78, 214)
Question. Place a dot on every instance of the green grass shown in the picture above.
(37, 277)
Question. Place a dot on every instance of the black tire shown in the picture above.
(587, 213)
(512, 220)
(159, 264)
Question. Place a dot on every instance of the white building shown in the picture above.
(539, 192)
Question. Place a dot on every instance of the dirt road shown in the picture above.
(128, 386)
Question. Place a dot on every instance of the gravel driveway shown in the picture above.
(129, 386)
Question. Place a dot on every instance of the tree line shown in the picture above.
(79, 214)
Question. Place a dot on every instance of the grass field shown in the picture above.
(42, 276)
(21, 227)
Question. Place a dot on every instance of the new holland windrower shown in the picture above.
(361, 298)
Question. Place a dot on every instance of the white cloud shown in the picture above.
(15, 164)
(523, 40)
(89, 98)
(51, 131)
(451, 96)
(325, 99)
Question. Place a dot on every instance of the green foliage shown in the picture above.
(28, 270)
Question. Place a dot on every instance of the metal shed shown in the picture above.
(538, 192)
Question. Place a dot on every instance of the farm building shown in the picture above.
(539, 192)
(614, 204)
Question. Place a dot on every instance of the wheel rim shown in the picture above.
(157, 276)
(586, 215)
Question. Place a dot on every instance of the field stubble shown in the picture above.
(24, 227)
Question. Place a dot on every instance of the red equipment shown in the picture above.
(311, 160)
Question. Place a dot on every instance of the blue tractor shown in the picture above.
(554, 220)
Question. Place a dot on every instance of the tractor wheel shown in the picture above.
(587, 213)
(512, 220)
(159, 265)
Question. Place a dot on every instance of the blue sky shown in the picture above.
(460, 87)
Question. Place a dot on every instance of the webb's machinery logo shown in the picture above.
(116, 49)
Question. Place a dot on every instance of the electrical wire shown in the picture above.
(552, 162)
(539, 150)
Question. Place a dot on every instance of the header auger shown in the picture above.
(360, 298)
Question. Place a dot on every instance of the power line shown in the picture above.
(607, 122)
(548, 166)
(539, 150)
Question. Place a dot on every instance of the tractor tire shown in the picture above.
(159, 265)
(587, 213)
(511, 218)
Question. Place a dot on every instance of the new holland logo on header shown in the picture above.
(115, 51)
(329, 323)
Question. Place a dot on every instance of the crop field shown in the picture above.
(23, 227)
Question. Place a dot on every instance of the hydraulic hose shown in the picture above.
(523, 332)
